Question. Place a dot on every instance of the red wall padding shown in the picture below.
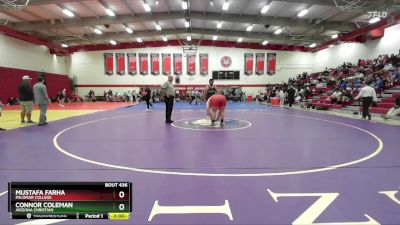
(10, 78)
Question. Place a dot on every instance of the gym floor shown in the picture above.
(266, 165)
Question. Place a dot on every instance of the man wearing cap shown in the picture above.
(26, 99)
(42, 99)
(169, 93)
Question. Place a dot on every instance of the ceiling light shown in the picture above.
(165, 38)
(264, 9)
(240, 40)
(129, 30)
(278, 31)
(68, 13)
(265, 42)
(219, 25)
(139, 40)
(211, 3)
(374, 20)
(215, 37)
(302, 13)
(113, 42)
(110, 12)
(158, 27)
(189, 38)
(97, 31)
(64, 45)
(184, 5)
(225, 6)
(187, 23)
(146, 7)
(157, 2)
(334, 36)
(249, 28)
(312, 45)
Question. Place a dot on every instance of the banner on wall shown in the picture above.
(166, 63)
(120, 60)
(108, 63)
(260, 63)
(203, 64)
(271, 60)
(132, 70)
(248, 63)
(191, 64)
(155, 63)
(143, 63)
(177, 64)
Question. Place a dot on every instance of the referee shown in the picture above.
(169, 93)
(368, 96)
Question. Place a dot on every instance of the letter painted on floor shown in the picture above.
(220, 209)
(391, 195)
(316, 209)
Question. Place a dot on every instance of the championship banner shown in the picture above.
(177, 64)
(271, 60)
(109, 63)
(143, 63)
(248, 63)
(260, 63)
(203, 64)
(155, 63)
(132, 69)
(120, 60)
(166, 63)
(191, 64)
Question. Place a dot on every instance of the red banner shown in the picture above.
(203, 64)
(166, 63)
(144, 63)
(120, 59)
(191, 64)
(109, 63)
(260, 63)
(177, 64)
(271, 59)
(248, 63)
(132, 70)
(155, 63)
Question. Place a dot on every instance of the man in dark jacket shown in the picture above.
(26, 99)
(291, 92)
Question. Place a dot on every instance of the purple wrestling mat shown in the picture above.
(264, 166)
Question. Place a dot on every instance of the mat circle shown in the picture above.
(204, 124)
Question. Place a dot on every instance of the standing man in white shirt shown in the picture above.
(368, 96)
(169, 94)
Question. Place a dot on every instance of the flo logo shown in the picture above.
(226, 61)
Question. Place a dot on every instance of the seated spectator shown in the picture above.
(394, 111)
(61, 98)
(92, 96)
(335, 96)
(12, 101)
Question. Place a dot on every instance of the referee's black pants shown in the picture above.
(366, 102)
(169, 104)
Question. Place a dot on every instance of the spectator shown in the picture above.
(61, 98)
(147, 97)
(291, 94)
(335, 96)
(42, 99)
(394, 111)
(12, 101)
(26, 99)
(169, 93)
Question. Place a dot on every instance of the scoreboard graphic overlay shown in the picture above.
(70, 200)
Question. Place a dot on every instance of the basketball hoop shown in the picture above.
(189, 48)
(13, 4)
(350, 5)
